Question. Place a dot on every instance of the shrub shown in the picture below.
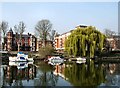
(45, 51)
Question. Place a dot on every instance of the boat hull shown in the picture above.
(15, 59)
(81, 59)
(55, 60)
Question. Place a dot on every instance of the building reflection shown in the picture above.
(81, 74)
(112, 74)
(59, 70)
(112, 68)
(107, 74)
(12, 74)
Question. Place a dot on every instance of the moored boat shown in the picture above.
(20, 65)
(21, 57)
(80, 62)
(81, 59)
(55, 60)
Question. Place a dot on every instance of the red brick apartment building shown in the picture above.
(40, 44)
(60, 39)
(28, 42)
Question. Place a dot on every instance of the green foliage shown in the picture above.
(84, 42)
(47, 50)
(84, 75)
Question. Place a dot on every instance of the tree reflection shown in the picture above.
(46, 76)
(84, 75)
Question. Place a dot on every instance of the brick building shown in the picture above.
(28, 42)
(60, 39)
(40, 44)
(114, 42)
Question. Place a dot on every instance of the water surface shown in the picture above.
(67, 74)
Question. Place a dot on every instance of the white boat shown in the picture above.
(21, 57)
(80, 62)
(55, 60)
(20, 65)
(81, 59)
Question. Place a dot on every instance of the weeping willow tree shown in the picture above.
(85, 42)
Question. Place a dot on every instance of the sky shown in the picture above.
(64, 16)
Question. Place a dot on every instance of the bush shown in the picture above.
(45, 51)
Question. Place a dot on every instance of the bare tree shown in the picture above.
(109, 33)
(43, 27)
(3, 28)
(53, 32)
(19, 29)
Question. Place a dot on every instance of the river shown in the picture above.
(41, 73)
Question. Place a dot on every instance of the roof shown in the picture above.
(25, 36)
(10, 30)
(67, 32)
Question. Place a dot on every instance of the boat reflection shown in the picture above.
(15, 73)
(20, 65)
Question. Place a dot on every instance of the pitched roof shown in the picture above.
(10, 30)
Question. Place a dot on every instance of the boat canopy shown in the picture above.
(20, 53)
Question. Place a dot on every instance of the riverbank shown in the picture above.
(113, 56)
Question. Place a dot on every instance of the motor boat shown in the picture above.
(81, 59)
(55, 60)
(80, 62)
(21, 57)
(20, 65)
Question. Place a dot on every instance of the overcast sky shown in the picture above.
(63, 15)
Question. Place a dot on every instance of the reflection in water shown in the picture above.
(45, 75)
(14, 76)
(66, 74)
(84, 75)
(112, 74)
